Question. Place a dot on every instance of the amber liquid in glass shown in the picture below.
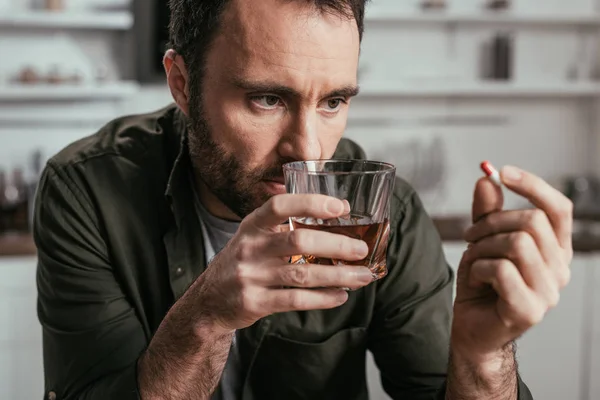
(375, 234)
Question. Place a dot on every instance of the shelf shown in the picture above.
(114, 20)
(452, 228)
(478, 89)
(66, 118)
(379, 14)
(107, 91)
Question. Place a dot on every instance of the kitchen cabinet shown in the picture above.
(21, 368)
(454, 253)
(552, 356)
(592, 348)
(557, 358)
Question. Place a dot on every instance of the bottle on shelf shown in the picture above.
(497, 58)
(433, 4)
(4, 224)
(33, 177)
(55, 5)
(28, 75)
(582, 67)
(18, 201)
(498, 5)
(11, 201)
(18, 186)
(502, 52)
(55, 75)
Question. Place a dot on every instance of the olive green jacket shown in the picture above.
(119, 242)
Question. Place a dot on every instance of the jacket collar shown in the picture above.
(183, 239)
(176, 140)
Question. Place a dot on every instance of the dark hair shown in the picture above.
(194, 24)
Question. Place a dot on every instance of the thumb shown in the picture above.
(488, 198)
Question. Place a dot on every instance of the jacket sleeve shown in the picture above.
(409, 334)
(91, 335)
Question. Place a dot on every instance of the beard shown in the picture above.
(237, 187)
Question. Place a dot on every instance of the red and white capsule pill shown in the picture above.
(491, 172)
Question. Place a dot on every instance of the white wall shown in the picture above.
(550, 136)
(545, 136)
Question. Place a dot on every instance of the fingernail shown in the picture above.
(342, 297)
(467, 234)
(361, 249)
(334, 206)
(512, 174)
(365, 275)
(467, 255)
(346, 206)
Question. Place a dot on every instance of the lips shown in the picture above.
(275, 186)
(280, 181)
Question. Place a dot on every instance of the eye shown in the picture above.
(266, 101)
(333, 105)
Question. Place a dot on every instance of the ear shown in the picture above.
(177, 79)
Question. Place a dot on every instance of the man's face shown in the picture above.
(277, 85)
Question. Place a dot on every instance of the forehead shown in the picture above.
(288, 40)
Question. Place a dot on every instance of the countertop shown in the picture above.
(586, 236)
(585, 240)
(16, 245)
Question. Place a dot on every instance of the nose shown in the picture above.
(301, 140)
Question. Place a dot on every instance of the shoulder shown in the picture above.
(349, 150)
(403, 194)
(128, 138)
(404, 200)
(125, 163)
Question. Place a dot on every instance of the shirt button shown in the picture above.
(179, 271)
(51, 396)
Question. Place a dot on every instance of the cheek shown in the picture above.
(330, 134)
(240, 132)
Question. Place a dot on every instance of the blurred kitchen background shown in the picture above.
(445, 84)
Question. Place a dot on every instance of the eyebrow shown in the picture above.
(278, 89)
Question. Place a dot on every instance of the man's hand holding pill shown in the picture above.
(517, 263)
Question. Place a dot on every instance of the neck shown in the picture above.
(212, 203)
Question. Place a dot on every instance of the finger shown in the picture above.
(521, 250)
(315, 243)
(279, 208)
(346, 206)
(535, 222)
(519, 305)
(284, 300)
(556, 205)
(316, 276)
(503, 276)
(487, 199)
(285, 227)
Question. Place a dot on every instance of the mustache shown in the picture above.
(273, 172)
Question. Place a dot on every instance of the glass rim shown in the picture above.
(387, 167)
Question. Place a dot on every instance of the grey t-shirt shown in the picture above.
(217, 232)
